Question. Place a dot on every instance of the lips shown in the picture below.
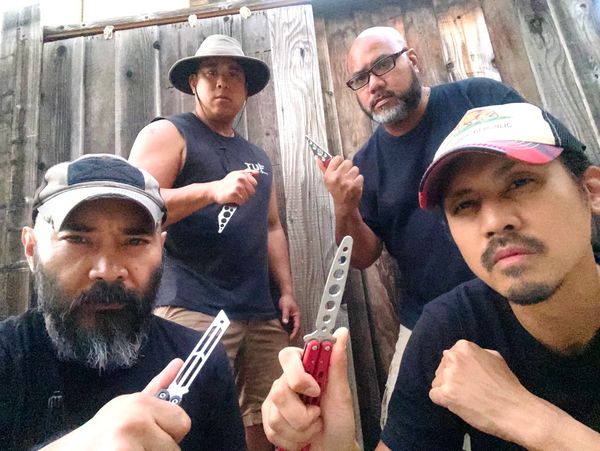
(512, 251)
(378, 100)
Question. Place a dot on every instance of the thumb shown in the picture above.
(338, 369)
(164, 378)
(320, 164)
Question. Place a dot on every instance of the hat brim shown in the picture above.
(62, 204)
(430, 191)
(257, 73)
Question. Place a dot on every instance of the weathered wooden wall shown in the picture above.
(95, 94)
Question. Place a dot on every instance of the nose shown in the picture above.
(108, 268)
(375, 82)
(222, 80)
(497, 218)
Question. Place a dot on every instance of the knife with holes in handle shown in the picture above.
(195, 361)
(319, 344)
(318, 151)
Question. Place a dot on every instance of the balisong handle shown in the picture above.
(195, 361)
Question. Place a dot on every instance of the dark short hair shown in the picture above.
(575, 161)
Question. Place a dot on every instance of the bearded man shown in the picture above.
(77, 371)
(375, 194)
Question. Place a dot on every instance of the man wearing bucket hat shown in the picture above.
(80, 370)
(225, 238)
(512, 357)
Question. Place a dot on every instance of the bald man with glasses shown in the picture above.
(375, 194)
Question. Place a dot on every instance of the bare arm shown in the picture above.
(345, 184)
(160, 150)
(477, 385)
(279, 266)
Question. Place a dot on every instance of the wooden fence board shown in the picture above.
(467, 47)
(135, 84)
(422, 34)
(556, 82)
(300, 111)
(578, 23)
(98, 96)
(510, 55)
(20, 50)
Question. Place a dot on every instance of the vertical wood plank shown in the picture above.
(135, 84)
(422, 34)
(98, 97)
(558, 84)
(578, 24)
(467, 46)
(20, 70)
(55, 106)
(510, 55)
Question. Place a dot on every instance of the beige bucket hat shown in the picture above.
(219, 45)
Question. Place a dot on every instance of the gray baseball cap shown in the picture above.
(94, 176)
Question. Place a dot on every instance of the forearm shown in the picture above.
(279, 260)
(182, 202)
(367, 246)
(552, 429)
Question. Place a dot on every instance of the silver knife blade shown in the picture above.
(333, 292)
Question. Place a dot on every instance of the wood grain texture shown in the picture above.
(98, 96)
(135, 81)
(300, 112)
(422, 34)
(20, 52)
(467, 47)
(510, 55)
(556, 79)
(578, 23)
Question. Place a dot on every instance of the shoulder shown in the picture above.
(485, 91)
(19, 334)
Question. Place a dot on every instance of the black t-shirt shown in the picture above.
(33, 381)
(208, 271)
(475, 312)
(428, 259)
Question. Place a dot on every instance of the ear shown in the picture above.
(192, 82)
(591, 183)
(163, 237)
(28, 240)
(414, 59)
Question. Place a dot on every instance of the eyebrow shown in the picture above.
(504, 168)
(129, 231)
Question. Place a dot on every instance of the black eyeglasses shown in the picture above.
(381, 67)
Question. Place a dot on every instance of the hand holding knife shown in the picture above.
(195, 361)
(319, 344)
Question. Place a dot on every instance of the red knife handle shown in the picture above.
(315, 360)
(316, 363)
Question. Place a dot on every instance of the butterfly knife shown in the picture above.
(195, 361)
(319, 344)
(225, 215)
(319, 151)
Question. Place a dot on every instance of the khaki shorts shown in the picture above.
(252, 347)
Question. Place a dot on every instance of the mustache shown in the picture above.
(383, 95)
(103, 293)
(510, 238)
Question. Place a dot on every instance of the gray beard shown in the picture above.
(406, 104)
(115, 339)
